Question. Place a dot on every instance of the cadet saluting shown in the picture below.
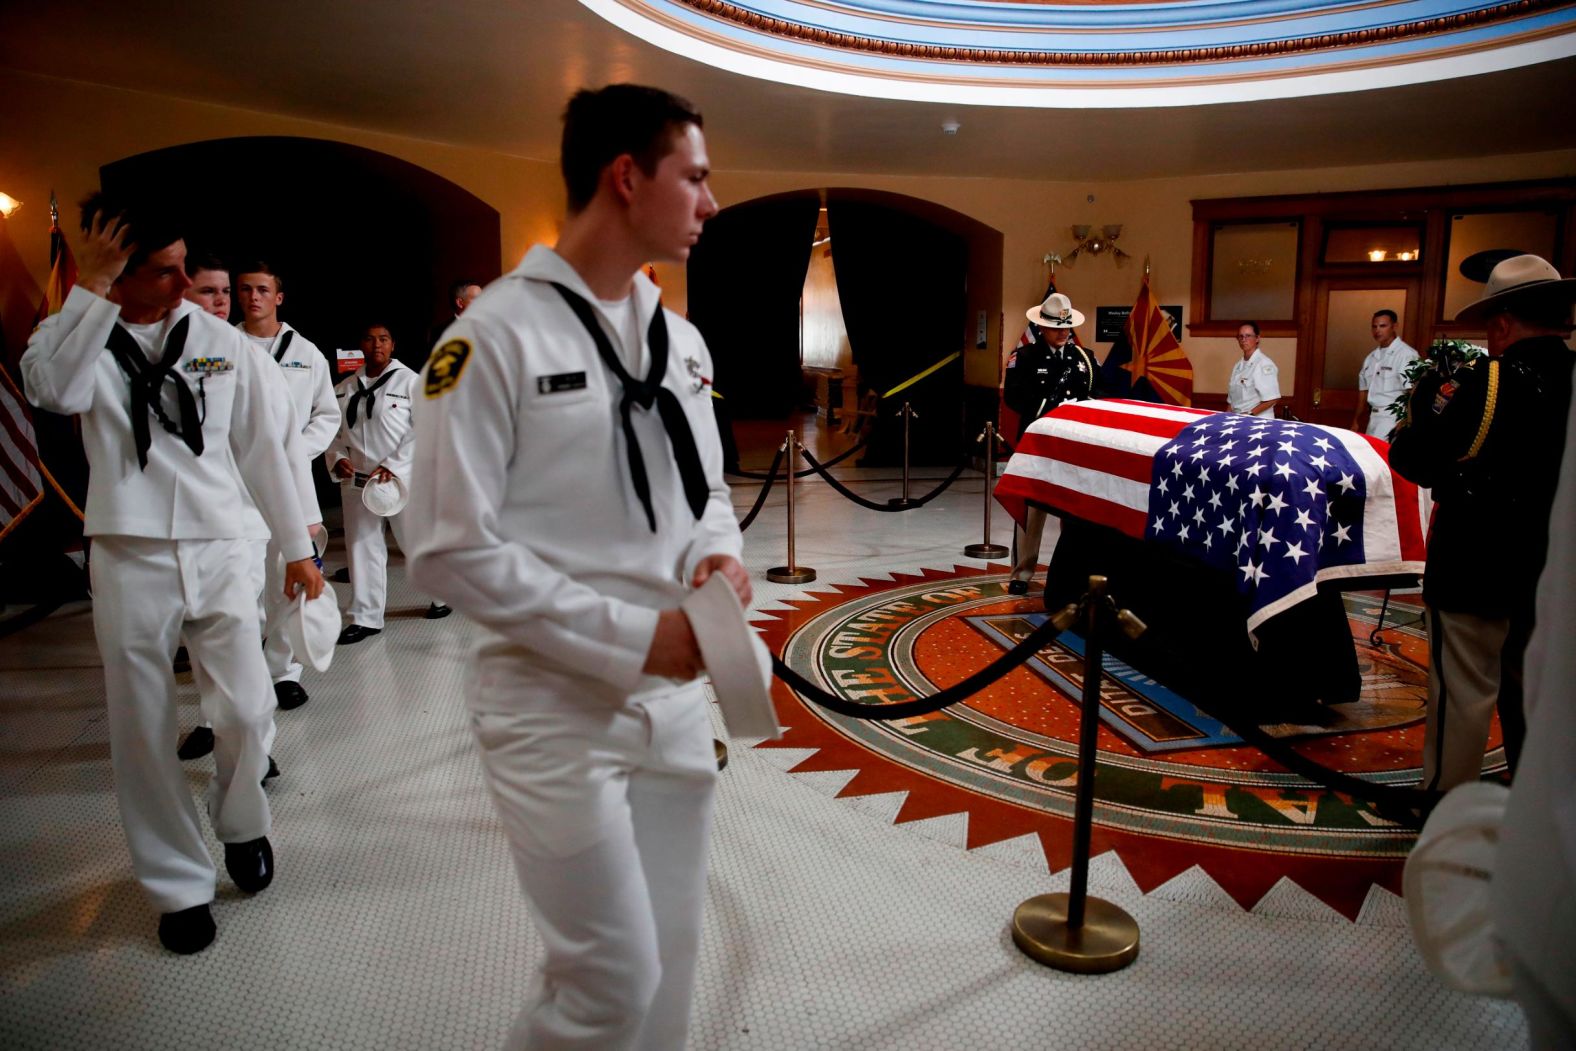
(162, 388)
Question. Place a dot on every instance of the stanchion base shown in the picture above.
(1107, 941)
(899, 501)
(790, 575)
(985, 551)
(722, 753)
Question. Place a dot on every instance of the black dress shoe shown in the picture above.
(437, 612)
(273, 770)
(1017, 587)
(340, 575)
(289, 695)
(355, 633)
(198, 743)
(250, 864)
(188, 931)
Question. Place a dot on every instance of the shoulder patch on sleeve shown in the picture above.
(445, 366)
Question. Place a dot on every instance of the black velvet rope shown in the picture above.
(820, 469)
(807, 472)
(760, 497)
(1032, 643)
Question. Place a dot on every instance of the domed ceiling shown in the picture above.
(1096, 53)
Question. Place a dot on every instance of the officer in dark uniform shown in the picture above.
(1040, 376)
(1488, 440)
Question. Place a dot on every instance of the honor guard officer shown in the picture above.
(260, 291)
(1381, 382)
(1254, 387)
(1488, 440)
(168, 395)
(373, 446)
(1040, 376)
(567, 493)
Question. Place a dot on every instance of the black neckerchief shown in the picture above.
(284, 345)
(147, 382)
(645, 393)
(367, 393)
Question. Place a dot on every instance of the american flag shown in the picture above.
(21, 474)
(1281, 506)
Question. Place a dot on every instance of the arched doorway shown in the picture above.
(356, 234)
(920, 292)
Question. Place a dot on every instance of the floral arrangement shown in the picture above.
(1445, 357)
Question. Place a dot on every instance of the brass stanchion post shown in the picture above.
(791, 573)
(1072, 931)
(908, 413)
(986, 549)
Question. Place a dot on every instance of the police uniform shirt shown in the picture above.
(522, 510)
(381, 435)
(1383, 376)
(1254, 380)
(178, 495)
(310, 386)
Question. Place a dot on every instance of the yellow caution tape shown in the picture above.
(954, 356)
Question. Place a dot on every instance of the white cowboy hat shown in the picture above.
(737, 661)
(1056, 312)
(1518, 277)
(386, 499)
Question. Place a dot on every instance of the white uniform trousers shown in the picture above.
(608, 811)
(277, 654)
(146, 593)
(1466, 654)
(257, 579)
(1026, 543)
(369, 558)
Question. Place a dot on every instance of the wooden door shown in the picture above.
(1342, 337)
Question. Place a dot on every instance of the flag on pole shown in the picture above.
(1158, 359)
(62, 268)
(22, 474)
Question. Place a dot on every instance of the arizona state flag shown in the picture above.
(1158, 359)
(62, 270)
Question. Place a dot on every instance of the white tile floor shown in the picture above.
(396, 921)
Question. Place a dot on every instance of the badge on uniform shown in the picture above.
(445, 366)
(208, 366)
(560, 382)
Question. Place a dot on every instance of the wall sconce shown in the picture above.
(8, 204)
(1097, 243)
(1377, 255)
(1409, 257)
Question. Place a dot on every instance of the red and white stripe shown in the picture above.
(21, 480)
(1093, 460)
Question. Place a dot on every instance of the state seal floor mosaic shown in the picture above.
(396, 921)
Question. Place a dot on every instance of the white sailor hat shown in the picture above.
(313, 627)
(386, 499)
(736, 659)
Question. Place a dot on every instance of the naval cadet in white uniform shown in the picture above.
(373, 445)
(567, 494)
(171, 405)
(259, 292)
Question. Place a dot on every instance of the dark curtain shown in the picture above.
(746, 277)
(901, 281)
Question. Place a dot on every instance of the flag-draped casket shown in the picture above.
(1279, 506)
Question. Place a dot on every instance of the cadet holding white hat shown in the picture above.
(373, 449)
(168, 395)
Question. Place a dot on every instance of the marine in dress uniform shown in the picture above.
(168, 396)
(567, 492)
(309, 389)
(1040, 376)
(1488, 440)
